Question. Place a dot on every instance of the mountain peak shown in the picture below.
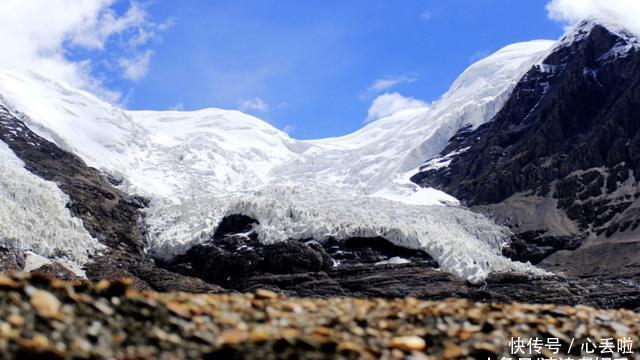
(596, 41)
(595, 25)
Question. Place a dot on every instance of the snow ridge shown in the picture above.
(197, 167)
(376, 158)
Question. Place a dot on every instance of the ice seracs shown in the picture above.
(197, 167)
(34, 216)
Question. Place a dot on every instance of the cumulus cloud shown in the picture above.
(39, 35)
(387, 83)
(391, 103)
(136, 68)
(621, 12)
(255, 104)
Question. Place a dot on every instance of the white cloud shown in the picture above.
(136, 68)
(391, 103)
(106, 24)
(38, 35)
(255, 104)
(621, 12)
(387, 83)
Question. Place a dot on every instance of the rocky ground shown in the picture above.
(52, 319)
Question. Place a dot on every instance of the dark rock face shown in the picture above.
(364, 280)
(234, 254)
(228, 260)
(597, 291)
(534, 246)
(373, 250)
(116, 264)
(11, 260)
(234, 224)
(237, 260)
(569, 134)
(56, 271)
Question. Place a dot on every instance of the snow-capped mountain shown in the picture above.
(228, 150)
(197, 167)
(559, 163)
(511, 121)
(378, 158)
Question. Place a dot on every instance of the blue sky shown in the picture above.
(308, 66)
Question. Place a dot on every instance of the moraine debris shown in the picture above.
(42, 318)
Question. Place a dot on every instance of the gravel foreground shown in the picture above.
(44, 318)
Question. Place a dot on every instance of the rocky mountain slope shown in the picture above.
(558, 163)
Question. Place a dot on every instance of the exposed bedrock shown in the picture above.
(534, 246)
(236, 260)
(11, 259)
(234, 253)
(559, 163)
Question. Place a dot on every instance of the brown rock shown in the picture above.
(232, 337)
(408, 343)
(16, 320)
(45, 303)
(347, 347)
(8, 283)
(452, 351)
(266, 294)
(178, 309)
(38, 342)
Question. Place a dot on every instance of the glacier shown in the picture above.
(198, 166)
(35, 218)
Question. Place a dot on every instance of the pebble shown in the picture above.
(37, 342)
(232, 337)
(45, 303)
(266, 294)
(452, 351)
(7, 282)
(80, 345)
(178, 309)
(103, 308)
(16, 320)
(475, 314)
(408, 343)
